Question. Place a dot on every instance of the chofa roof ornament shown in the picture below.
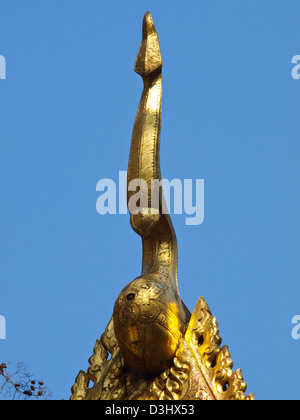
(157, 349)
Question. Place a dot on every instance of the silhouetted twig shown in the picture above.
(21, 385)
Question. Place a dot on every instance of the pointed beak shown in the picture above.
(149, 57)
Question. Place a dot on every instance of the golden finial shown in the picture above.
(158, 350)
(149, 317)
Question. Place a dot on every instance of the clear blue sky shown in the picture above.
(230, 116)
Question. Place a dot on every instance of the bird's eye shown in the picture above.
(131, 296)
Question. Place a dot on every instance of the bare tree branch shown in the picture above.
(21, 385)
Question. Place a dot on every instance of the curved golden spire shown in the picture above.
(155, 228)
(158, 350)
